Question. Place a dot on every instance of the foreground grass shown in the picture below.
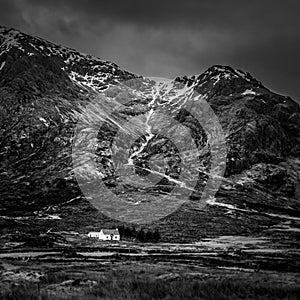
(134, 288)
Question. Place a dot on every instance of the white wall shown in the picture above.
(104, 237)
(108, 237)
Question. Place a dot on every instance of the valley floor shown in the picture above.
(227, 267)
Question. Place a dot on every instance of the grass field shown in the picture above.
(134, 288)
(69, 265)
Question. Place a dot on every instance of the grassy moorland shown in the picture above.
(135, 271)
(136, 288)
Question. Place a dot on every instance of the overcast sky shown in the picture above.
(168, 38)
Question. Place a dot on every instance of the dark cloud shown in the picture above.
(170, 38)
(9, 13)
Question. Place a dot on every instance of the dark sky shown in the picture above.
(168, 38)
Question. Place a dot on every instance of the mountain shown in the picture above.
(45, 89)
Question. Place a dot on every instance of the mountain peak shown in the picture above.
(228, 72)
(218, 72)
(221, 80)
(84, 70)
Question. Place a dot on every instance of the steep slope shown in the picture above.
(263, 126)
(45, 88)
(41, 85)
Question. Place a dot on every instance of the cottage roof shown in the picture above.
(110, 231)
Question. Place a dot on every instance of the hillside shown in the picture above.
(45, 89)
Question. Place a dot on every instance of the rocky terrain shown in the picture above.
(44, 90)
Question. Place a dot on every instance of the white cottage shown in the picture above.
(106, 234)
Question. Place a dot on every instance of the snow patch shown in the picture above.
(11, 40)
(249, 92)
(213, 201)
(2, 65)
(44, 121)
(242, 74)
(93, 82)
(216, 78)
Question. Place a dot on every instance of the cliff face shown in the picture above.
(45, 87)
